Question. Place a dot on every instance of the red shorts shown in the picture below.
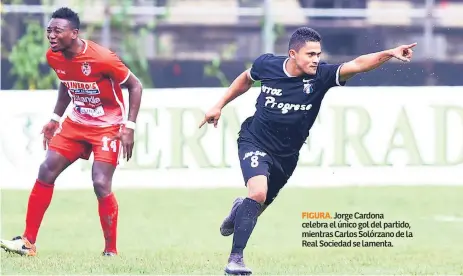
(76, 141)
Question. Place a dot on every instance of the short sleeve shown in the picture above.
(257, 67)
(49, 59)
(330, 74)
(116, 69)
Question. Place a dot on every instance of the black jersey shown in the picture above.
(287, 106)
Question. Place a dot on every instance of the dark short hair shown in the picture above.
(301, 36)
(69, 15)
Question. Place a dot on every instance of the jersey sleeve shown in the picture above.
(115, 69)
(257, 68)
(330, 73)
(49, 59)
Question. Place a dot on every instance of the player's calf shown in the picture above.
(245, 221)
(257, 191)
(42, 192)
(248, 211)
(108, 208)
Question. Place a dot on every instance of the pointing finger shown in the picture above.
(202, 123)
(412, 45)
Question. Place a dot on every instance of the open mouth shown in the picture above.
(53, 44)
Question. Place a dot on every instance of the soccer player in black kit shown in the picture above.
(292, 89)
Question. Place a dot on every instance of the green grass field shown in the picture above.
(176, 232)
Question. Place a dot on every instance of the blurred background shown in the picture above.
(207, 43)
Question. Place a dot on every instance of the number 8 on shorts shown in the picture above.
(254, 161)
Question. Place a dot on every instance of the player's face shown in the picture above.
(308, 57)
(60, 34)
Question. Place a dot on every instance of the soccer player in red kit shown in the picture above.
(91, 76)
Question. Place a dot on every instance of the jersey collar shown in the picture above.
(284, 69)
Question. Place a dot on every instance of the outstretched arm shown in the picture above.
(372, 61)
(238, 87)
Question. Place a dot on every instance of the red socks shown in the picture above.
(39, 200)
(109, 210)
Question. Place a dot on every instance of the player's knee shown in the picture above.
(258, 196)
(49, 171)
(101, 186)
(257, 188)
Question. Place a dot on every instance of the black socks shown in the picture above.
(245, 220)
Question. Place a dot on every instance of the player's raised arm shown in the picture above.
(238, 87)
(372, 61)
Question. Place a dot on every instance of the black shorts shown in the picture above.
(255, 161)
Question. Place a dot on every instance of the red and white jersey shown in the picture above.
(93, 79)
